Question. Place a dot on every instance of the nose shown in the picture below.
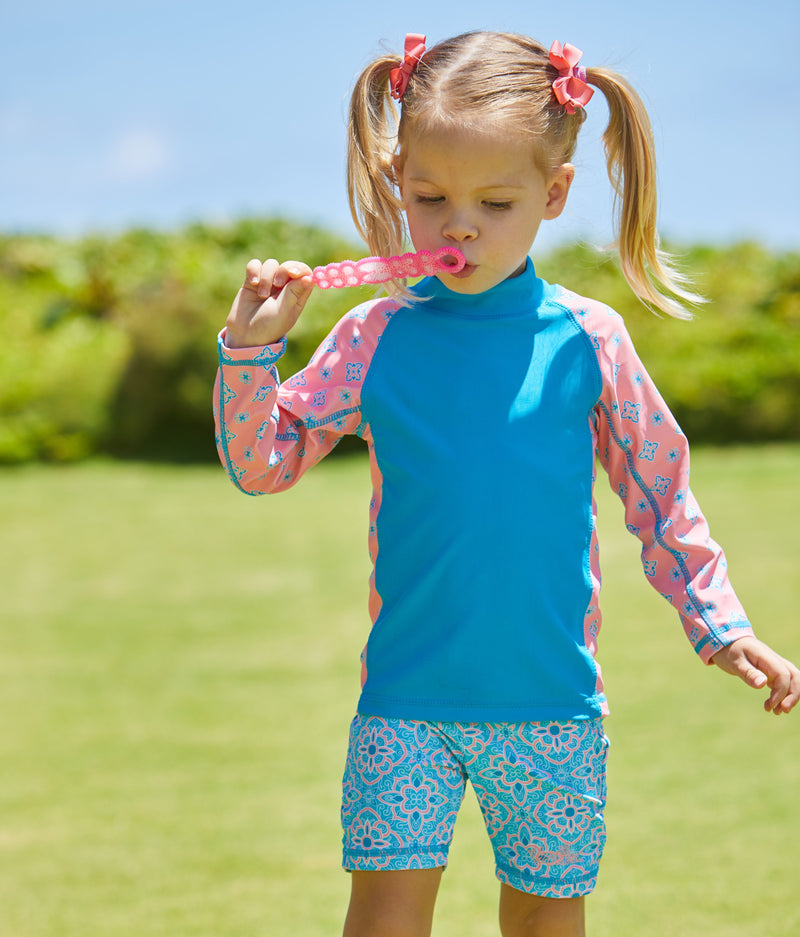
(459, 227)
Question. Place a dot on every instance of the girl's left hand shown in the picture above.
(758, 665)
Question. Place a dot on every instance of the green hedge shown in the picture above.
(110, 342)
(732, 374)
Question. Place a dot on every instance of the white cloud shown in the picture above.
(139, 153)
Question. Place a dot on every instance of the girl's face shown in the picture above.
(480, 193)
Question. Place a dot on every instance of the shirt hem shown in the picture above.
(445, 711)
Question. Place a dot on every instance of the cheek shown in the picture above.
(417, 228)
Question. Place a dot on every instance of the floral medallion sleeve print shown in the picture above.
(646, 456)
(268, 433)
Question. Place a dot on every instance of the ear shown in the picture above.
(558, 190)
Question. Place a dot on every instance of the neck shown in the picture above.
(514, 296)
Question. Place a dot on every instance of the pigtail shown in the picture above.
(374, 203)
(630, 160)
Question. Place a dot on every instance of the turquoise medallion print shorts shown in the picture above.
(541, 787)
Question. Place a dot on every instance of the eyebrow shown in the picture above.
(483, 188)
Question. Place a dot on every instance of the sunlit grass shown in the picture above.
(179, 664)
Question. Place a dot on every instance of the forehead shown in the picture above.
(449, 154)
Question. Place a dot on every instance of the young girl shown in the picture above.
(484, 397)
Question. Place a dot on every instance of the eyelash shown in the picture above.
(438, 199)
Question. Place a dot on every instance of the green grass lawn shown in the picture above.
(179, 665)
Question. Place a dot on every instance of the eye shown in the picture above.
(428, 199)
(498, 206)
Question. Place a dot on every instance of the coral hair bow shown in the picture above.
(570, 87)
(398, 77)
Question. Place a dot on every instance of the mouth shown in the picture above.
(466, 271)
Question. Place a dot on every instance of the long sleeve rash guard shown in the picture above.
(484, 417)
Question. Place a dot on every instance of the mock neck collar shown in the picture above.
(512, 297)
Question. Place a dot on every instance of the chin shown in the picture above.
(478, 282)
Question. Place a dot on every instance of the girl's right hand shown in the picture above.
(268, 304)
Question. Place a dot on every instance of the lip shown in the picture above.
(466, 271)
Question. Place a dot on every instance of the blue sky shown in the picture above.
(160, 113)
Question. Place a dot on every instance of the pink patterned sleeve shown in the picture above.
(646, 456)
(267, 433)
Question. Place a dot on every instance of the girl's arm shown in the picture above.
(269, 433)
(646, 456)
(247, 416)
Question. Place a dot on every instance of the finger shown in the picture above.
(779, 686)
(252, 274)
(295, 296)
(743, 665)
(290, 270)
(785, 691)
(787, 704)
(258, 276)
(267, 282)
(793, 696)
(751, 675)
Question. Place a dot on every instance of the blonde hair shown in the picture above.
(484, 80)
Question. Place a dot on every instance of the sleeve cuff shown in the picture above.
(715, 641)
(259, 355)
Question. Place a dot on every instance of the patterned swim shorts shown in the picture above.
(541, 787)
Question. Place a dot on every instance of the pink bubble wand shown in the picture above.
(381, 269)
